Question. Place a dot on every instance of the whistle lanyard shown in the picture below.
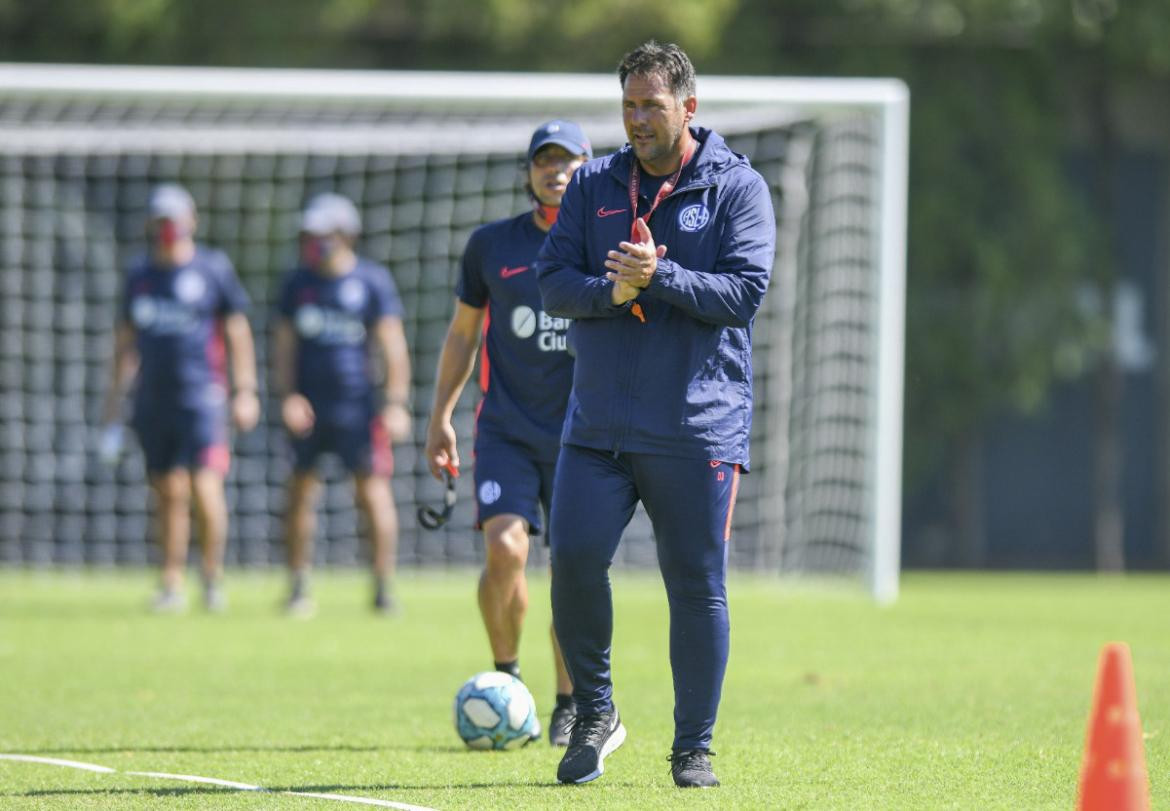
(663, 192)
(667, 188)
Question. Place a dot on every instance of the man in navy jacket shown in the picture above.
(661, 254)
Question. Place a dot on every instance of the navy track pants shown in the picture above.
(689, 502)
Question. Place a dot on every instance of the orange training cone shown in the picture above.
(1113, 773)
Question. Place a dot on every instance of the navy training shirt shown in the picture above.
(333, 317)
(525, 370)
(177, 314)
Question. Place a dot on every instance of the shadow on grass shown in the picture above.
(181, 791)
(141, 611)
(226, 748)
(417, 787)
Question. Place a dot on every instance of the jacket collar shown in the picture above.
(712, 158)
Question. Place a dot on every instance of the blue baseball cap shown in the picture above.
(561, 133)
(170, 201)
(331, 213)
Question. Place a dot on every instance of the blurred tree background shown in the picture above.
(1020, 111)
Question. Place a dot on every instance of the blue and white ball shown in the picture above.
(495, 711)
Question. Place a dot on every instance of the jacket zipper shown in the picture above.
(631, 361)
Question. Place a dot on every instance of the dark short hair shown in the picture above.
(666, 60)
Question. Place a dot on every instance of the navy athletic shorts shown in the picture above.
(191, 438)
(510, 479)
(362, 445)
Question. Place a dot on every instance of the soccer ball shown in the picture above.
(495, 711)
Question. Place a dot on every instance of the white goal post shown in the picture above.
(80, 144)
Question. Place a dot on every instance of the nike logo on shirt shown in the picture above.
(609, 212)
(507, 272)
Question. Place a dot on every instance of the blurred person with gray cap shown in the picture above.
(339, 318)
(179, 302)
(525, 376)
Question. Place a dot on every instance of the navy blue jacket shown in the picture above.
(679, 384)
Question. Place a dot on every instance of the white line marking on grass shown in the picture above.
(215, 781)
(194, 778)
(52, 761)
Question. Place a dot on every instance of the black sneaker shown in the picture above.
(592, 738)
(384, 602)
(561, 724)
(691, 768)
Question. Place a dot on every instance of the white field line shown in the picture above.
(215, 781)
(52, 761)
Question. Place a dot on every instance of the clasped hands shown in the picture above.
(632, 266)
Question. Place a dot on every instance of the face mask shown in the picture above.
(317, 250)
(169, 232)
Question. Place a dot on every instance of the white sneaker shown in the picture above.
(169, 601)
(215, 598)
(301, 607)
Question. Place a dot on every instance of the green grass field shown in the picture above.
(972, 692)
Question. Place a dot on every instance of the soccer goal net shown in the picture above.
(428, 157)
